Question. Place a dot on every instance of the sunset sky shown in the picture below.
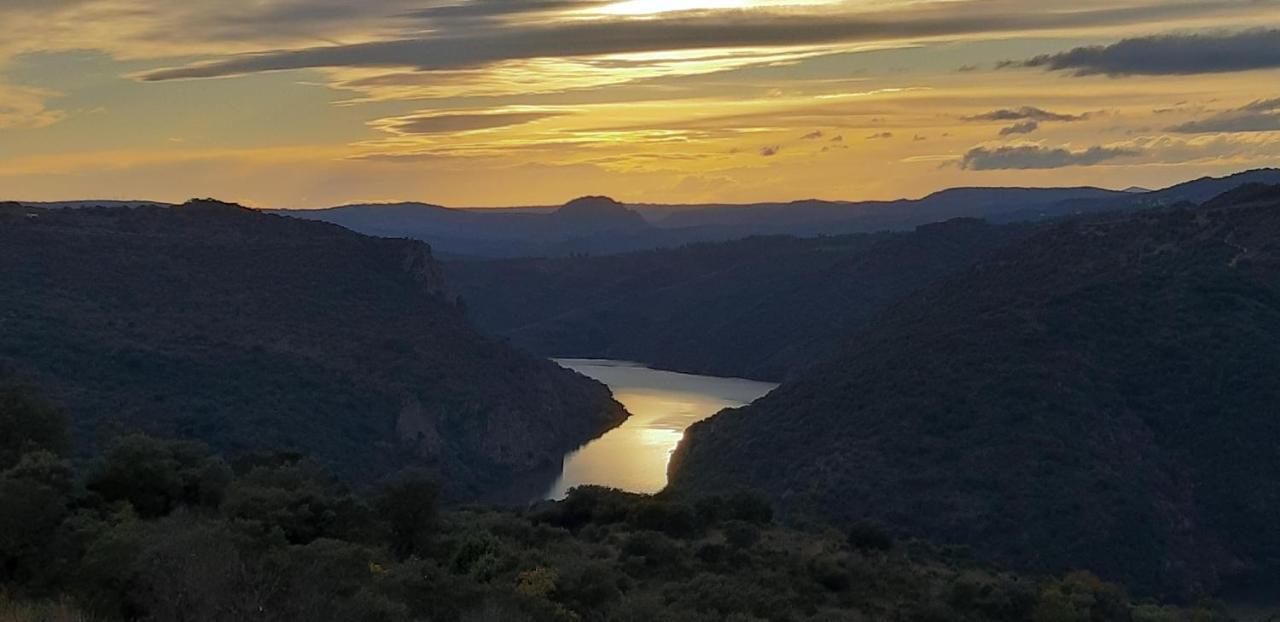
(306, 103)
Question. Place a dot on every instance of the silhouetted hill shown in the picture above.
(1099, 395)
(91, 203)
(600, 225)
(800, 217)
(1196, 191)
(756, 308)
(571, 228)
(1206, 188)
(258, 332)
(598, 214)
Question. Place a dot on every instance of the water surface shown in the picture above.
(662, 404)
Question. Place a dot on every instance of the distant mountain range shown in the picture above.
(255, 332)
(599, 225)
(1100, 394)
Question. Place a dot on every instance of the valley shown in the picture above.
(1044, 398)
(640, 311)
(634, 456)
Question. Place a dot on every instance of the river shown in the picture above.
(634, 456)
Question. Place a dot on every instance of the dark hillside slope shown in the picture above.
(757, 308)
(258, 332)
(1101, 395)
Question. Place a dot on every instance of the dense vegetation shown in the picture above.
(758, 308)
(167, 531)
(1100, 395)
(257, 332)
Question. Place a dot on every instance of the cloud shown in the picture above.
(478, 46)
(1260, 116)
(1025, 127)
(770, 151)
(489, 9)
(1026, 113)
(1026, 157)
(814, 135)
(1170, 54)
(880, 136)
(451, 122)
(24, 107)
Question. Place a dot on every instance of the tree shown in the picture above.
(29, 423)
(297, 503)
(867, 537)
(156, 476)
(407, 502)
(34, 499)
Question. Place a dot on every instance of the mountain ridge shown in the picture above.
(534, 231)
(258, 332)
(1062, 403)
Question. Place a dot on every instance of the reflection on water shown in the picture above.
(662, 404)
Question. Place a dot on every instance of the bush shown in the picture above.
(586, 505)
(741, 534)
(29, 423)
(670, 518)
(869, 537)
(711, 554)
(35, 497)
(297, 504)
(407, 504)
(477, 556)
(746, 506)
(750, 507)
(592, 586)
(156, 477)
(827, 572)
(655, 548)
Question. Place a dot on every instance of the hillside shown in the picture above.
(166, 531)
(1100, 395)
(257, 332)
(759, 308)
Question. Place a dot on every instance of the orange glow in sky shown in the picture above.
(308, 103)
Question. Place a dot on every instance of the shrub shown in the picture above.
(869, 537)
(741, 534)
(156, 477)
(672, 519)
(35, 498)
(750, 507)
(297, 503)
(29, 423)
(407, 503)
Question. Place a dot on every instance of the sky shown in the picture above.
(472, 103)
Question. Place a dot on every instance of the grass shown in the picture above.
(11, 611)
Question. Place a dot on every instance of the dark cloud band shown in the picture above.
(486, 44)
(1175, 54)
(1026, 157)
(1026, 113)
(463, 122)
(1260, 116)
